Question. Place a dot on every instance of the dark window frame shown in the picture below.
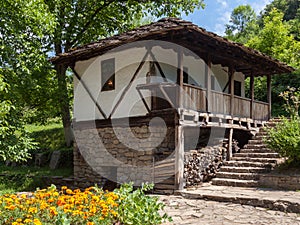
(108, 74)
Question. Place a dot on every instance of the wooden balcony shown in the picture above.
(195, 98)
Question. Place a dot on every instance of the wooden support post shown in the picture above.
(269, 96)
(179, 158)
(229, 150)
(180, 78)
(208, 84)
(231, 89)
(252, 95)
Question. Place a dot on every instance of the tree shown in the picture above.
(22, 28)
(80, 22)
(242, 24)
(275, 40)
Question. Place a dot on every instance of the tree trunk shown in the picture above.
(64, 103)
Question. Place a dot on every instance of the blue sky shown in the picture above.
(217, 13)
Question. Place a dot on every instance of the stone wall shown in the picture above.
(122, 153)
(280, 181)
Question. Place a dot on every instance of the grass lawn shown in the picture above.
(26, 178)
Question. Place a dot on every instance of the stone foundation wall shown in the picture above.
(120, 153)
(280, 181)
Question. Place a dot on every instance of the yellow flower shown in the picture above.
(90, 223)
(37, 222)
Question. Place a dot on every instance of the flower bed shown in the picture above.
(91, 206)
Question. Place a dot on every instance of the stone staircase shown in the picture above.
(245, 167)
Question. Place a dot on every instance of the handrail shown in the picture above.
(194, 86)
(242, 98)
(261, 102)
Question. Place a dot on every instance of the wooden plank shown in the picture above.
(231, 89)
(229, 150)
(208, 83)
(269, 96)
(179, 165)
(252, 95)
(180, 67)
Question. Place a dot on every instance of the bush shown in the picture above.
(285, 138)
(137, 208)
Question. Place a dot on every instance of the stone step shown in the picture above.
(247, 164)
(262, 137)
(261, 133)
(261, 160)
(255, 146)
(238, 176)
(257, 155)
(255, 150)
(255, 141)
(250, 169)
(234, 182)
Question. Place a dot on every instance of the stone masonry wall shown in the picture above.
(280, 181)
(121, 154)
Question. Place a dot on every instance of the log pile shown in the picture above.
(201, 165)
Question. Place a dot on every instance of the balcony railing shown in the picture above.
(195, 98)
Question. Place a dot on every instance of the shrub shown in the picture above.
(285, 138)
(137, 208)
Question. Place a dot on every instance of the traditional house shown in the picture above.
(144, 97)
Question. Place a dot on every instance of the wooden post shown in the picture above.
(179, 158)
(209, 102)
(180, 76)
(231, 89)
(252, 95)
(269, 96)
(229, 153)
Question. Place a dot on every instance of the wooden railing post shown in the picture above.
(208, 84)
(180, 76)
(229, 150)
(252, 95)
(179, 158)
(269, 96)
(231, 89)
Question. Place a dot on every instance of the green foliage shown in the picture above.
(14, 140)
(292, 101)
(48, 137)
(285, 138)
(275, 40)
(242, 24)
(137, 208)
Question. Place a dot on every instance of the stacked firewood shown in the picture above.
(201, 165)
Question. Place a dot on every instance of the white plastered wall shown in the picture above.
(126, 63)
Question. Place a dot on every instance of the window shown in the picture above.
(237, 88)
(108, 74)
